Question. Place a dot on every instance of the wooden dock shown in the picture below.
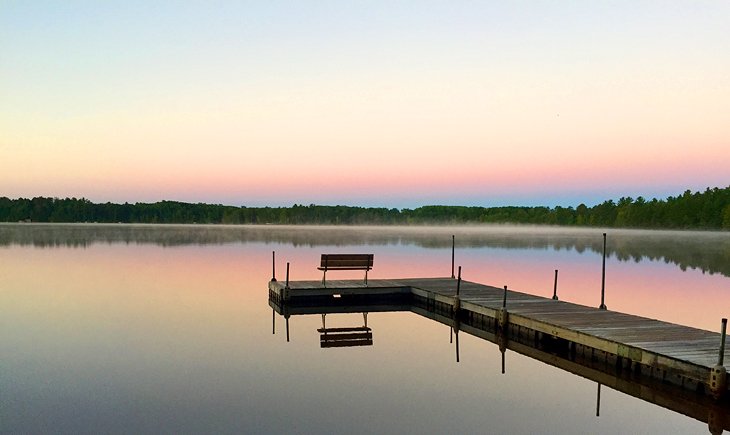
(674, 354)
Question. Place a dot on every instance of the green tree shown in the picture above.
(726, 217)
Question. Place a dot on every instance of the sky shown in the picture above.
(369, 103)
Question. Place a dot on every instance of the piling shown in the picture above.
(273, 266)
(457, 301)
(603, 276)
(453, 247)
(555, 286)
(718, 374)
(502, 315)
(723, 334)
(287, 275)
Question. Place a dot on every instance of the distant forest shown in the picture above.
(708, 210)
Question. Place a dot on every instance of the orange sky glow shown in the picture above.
(391, 105)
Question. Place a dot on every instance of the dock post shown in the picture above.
(555, 286)
(603, 277)
(723, 334)
(285, 290)
(502, 315)
(598, 401)
(287, 328)
(273, 321)
(457, 301)
(718, 374)
(453, 246)
(287, 274)
(455, 313)
(273, 266)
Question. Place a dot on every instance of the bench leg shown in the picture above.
(324, 275)
(366, 277)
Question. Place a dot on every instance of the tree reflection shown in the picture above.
(706, 251)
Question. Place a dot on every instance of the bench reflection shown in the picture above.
(345, 337)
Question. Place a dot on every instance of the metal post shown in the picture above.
(453, 245)
(273, 321)
(598, 401)
(503, 363)
(555, 286)
(603, 276)
(273, 265)
(504, 299)
(723, 333)
(287, 328)
(458, 283)
(287, 274)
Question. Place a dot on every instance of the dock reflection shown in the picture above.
(546, 349)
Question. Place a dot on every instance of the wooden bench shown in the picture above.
(346, 262)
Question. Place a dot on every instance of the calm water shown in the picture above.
(149, 329)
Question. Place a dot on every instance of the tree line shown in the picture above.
(691, 210)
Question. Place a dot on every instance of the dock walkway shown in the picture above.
(674, 353)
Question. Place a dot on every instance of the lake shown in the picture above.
(149, 329)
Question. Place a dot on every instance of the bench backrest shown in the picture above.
(347, 261)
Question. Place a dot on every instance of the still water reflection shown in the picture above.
(121, 328)
(551, 352)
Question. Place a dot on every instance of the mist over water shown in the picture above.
(148, 329)
(707, 251)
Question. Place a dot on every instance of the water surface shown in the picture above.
(124, 328)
